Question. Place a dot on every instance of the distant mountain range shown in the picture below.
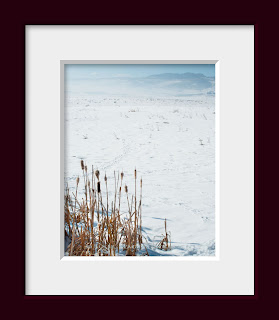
(167, 84)
(176, 76)
(175, 83)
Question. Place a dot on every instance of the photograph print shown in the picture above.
(139, 160)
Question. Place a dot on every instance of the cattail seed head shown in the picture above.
(85, 169)
(119, 189)
(135, 174)
(99, 186)
(82, 164)
(141, 182)
(106, 178)
(77, 181)
(126, 189)
(97, 173)
(122, 175)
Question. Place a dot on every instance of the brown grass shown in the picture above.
(165, 243)
(113, 232)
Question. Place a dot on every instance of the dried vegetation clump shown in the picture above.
(165, 243)
(95, 225)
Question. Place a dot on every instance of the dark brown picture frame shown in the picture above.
(168, 306)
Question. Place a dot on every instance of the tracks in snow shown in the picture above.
(126, 148)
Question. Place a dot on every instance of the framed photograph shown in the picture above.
(140, 160)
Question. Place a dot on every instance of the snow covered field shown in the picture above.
(171, 143)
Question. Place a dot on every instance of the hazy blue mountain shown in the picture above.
(165, 84)
(177, 76)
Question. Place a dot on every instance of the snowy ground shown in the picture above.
(171, 143)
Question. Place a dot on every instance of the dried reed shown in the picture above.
(165, 243)
(113, 232)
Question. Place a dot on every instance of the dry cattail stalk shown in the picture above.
(140, 211)
(113, 232)
(135, 239)
(72, 242)
(165, 243)
(107, 195)
(97, 173)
